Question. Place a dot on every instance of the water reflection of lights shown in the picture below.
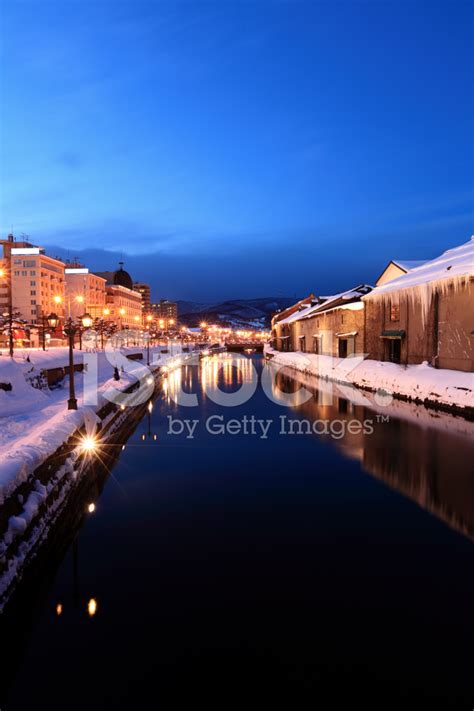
(92, 607)
(172, 385)
(235, 371)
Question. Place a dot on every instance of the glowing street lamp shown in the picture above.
(53, 320)
(86, 320)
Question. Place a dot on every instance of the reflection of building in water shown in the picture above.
(427, 458)
(432, 468)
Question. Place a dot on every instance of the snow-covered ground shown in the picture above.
(34, 422)
(419, 382)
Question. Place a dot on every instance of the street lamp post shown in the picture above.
(85, 323)
(10, 327)
(43, 333)
(149, 319)
(101, 330)
(105, 312)
(70, 331)
(4, 275)
(51, 322)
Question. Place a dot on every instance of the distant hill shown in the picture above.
(254, 313)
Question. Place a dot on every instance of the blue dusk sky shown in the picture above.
(238, 149)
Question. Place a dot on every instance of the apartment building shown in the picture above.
(85, 292)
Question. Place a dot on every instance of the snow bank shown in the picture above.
(22, 396)
(444, 387)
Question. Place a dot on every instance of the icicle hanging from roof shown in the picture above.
(448, 273)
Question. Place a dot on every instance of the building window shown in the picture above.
(33, 292)
(32, 283)
(342, 318)
(316, 345)
(33, 302)
(33, 272)
(24, 273)
(395, 308)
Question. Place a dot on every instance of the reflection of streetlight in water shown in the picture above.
(91, 607)
(148, 433)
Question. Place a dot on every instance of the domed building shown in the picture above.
(117, 278)
(123, 304)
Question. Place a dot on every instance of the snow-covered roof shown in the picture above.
(453, 264)
(290, 310)
(324, 303)
(337, 300)
(296, 315)
(409, 264)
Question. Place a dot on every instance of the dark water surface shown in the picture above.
(303, 569)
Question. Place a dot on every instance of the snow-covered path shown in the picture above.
(34, 423)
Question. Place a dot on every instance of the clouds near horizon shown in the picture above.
(239, 135)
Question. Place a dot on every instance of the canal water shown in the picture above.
(236, 568)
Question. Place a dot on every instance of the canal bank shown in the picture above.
(38, 481)
(277, 568)
(440, 389)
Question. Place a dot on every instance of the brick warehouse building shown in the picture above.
(426, 314)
